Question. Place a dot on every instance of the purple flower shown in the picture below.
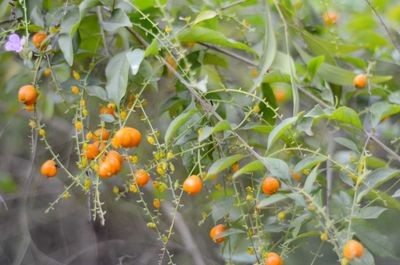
(14, 43)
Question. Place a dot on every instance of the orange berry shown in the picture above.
(93, 150)
(136, 136)
(141, 177)
(296, 176)
(156, 203)
(47, 72)
(215, 231)
(330, 18)
(192, 185)
(49, 168)
(126, 137)
(280, 95)
(254, 72)
(235, 167)
(106, 169)
(273, 259)
(27, 95)
(353, 249)
(360, 81)
(107, 110)
(270, 186)
(38, 39)
(115, 160)
(101, 134)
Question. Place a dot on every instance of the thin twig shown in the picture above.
(392, 40)
(229, 53)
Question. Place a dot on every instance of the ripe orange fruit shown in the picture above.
(106, 169)
(296, 176)
(270, 186)
(330, 18)
(192, 185)
(101, 134)
(215, 231)
(280, 95)
(141, 177)
(94, 149)
(273, 259)
(38, 39)
(107, 110)
(115, 160)
(360, 81)
(49, 168)
(353, 249)
(235, 167)
(27, 95)
(126, 137)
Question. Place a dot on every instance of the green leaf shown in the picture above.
(204, 15)
(143, 5)
(200, 34)
(347, 115)
(309, 162)
(97, 91)
(376, 178)
(271, 200)
(117, 77)
(65, 43)
(313, 65)
(310, 180)
(371, 212)
(347, 143)
(268, 111)
(269, 52)
(135, 58)
(280, 129)
(336, 75)
(207, 131)
(118, 20)
(176, 123)
(374, 240)
(223, 163)
(86, 5)
(153, 48)
(250, 167)
(381, 109)
(276, 167)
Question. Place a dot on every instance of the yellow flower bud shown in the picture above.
(76, 75)
(75, 90)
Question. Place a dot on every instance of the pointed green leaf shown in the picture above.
(347, 115)
(309, 162)
(271, 200)
(200, 34)
(118, 20)
(280, 129)
(176, 123)
(204, 15)
(250, 167)
(223, 163)
(135, 58)
(117, 77)
(277, 167)
(207, 131)
(310, 180)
